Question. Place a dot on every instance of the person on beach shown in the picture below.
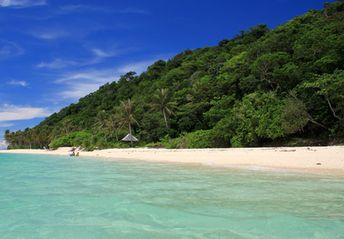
(72, 152)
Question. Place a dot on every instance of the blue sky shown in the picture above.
(52, 52)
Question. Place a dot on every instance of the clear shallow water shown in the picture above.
(57, 197)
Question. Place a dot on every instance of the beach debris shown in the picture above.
(288, 150)
(310, 149)
(318, 163)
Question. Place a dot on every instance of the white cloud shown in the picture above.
(133, 11)
(98, 55)
(137, 67)
(72, 8)
(79, 90)
(22, 3)
(57, 64)
(79, 8)
(49, 34)
(80, 83)
(3, 144)
(9, 49)
(95, 76)
(18, 83)
(10, 113)
(103, 54)
(5, 125)
(13, 112)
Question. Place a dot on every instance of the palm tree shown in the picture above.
(100, 120)
(127, 116)
(8, 137)
(113, 124)
(162, 101)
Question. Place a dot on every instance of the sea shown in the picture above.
(57, 197)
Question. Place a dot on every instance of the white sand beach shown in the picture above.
(329, 160)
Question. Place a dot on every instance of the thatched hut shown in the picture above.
(130, 138)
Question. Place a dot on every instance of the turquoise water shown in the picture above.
(60, 197)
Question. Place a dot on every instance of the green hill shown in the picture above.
(263, 87)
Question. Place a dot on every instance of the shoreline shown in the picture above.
(318, 160)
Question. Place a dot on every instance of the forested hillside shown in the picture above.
(263, 87)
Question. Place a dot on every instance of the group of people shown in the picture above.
(74, 152)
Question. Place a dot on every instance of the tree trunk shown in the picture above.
(315, 122)
(165, 118)
(131, 141)
(331, 108)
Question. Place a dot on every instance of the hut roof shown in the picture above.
(129, 138)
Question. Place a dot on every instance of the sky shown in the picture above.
(52, 52)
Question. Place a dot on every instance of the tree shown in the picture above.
(266, 65)
(127, 114)
(257, 116)
(8, 137)
(101, 120)
(113, 124)
(331, 87)
(294, 116)
(162, 101)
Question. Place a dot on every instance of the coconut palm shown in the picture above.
(101, 120)
(127, 114)
(113, 123)
(162, 101)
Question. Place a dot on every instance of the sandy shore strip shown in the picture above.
(306, 159)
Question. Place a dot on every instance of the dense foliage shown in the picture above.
(261, 87)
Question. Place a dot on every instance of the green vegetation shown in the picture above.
(85, 140)
(263, 87)
(79, 138)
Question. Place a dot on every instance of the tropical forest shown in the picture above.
(263, 87)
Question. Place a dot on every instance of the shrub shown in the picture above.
(75, 139)
(197, 139)
(256, 117)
